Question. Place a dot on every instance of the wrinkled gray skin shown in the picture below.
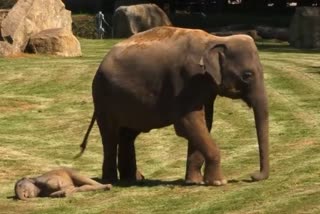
(56, 183)
(171, 75)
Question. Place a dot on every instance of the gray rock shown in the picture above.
(305, 28)
(29, 17)
(57, 41)
(129, 20)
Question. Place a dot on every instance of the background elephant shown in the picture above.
(171, 75)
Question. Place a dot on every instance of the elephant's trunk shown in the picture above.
(260, 109)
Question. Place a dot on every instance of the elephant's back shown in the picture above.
(138, 78)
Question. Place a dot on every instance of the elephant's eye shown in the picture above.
(247, 76)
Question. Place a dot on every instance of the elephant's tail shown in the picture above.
(85, 139)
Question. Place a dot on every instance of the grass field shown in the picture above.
(46, 106)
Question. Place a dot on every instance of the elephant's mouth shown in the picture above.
(237, 94)
(232, 93)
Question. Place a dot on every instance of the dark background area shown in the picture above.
(198, 13)
(205, 14)
(209, 15)
(208, 6)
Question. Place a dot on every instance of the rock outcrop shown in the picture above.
(29, 17)
(7, 49)
(46, 22)
(305, 28)
(3, 15)
(129, 20)
(57, 41)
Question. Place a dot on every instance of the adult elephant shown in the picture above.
(170, 75)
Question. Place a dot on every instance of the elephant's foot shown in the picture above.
(213, 176)
(133, 177)
(220, 182)
(108, 178)
(139, 176)
(258, 176)
(194, 178)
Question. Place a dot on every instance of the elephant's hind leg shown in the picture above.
(127, 157)
(110, 138)
(193, 127)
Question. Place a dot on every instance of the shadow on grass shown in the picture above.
(314, 70)
(157, 182)
(283, 47)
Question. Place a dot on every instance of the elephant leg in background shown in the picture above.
(209, 111)
(127, 157)
(193, 127)
(110, 138)
(195, 159)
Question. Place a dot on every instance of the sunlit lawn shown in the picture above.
(46, 106)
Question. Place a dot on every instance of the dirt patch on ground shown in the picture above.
(28, 164)
(11, 105)
(303, 143)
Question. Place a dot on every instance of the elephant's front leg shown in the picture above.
(127, 157)
(193, 127)
(195, 161)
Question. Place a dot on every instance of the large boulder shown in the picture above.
(129, 20)
(29, 17)
(7, 49)
(305, 28)
(57, 41)
(3, 15)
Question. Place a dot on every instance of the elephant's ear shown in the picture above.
(212, 61)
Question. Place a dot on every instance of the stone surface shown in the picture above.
(305, 28)
(57, 41)
(29, 17)
(7, 49)
(3, 15)
(129, 20)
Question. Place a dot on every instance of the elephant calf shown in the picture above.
(170, 75)
(56, 183)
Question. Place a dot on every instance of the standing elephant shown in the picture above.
(170, 75)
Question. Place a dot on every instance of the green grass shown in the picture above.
(46, 106)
